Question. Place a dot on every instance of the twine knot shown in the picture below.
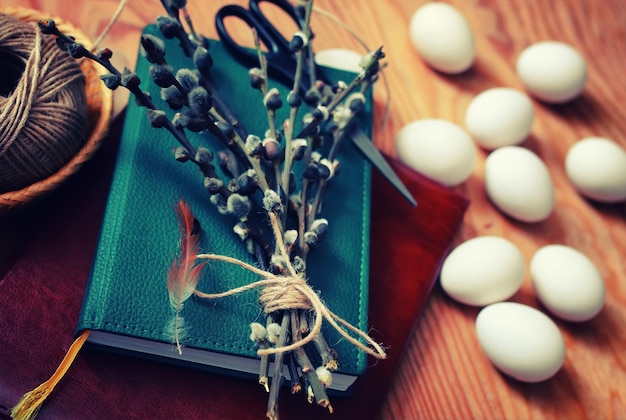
(293, 292)
(286, 293)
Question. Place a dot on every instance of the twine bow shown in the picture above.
(287, 292)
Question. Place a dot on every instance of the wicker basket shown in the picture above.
(99, 113)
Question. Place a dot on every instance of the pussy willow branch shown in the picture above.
(128, 80)
(264, 87)
(363, 76)
(294, 323)
(300, 58)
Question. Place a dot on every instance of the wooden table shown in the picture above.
(444, 373)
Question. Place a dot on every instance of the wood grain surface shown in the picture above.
(444, 374)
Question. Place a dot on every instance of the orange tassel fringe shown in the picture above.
(28, 407)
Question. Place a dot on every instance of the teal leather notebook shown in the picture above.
(126, 302)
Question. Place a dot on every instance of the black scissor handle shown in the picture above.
(279, 40)
(287, 8)
(245, 55)
(274, 41)
(281, 62)
(299, 19)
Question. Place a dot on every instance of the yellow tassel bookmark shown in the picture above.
(28, 407)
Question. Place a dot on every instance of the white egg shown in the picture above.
(499, 117)
(438, 149)
(521, 341)
(567, 282)
(519, 184)
(596, 166)
(339, 58)
(443, 38)
(483, 270)
(552, 71)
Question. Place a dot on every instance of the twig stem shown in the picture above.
(277, 377)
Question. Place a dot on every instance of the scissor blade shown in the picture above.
(365, 145)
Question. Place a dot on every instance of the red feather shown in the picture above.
(184, 274)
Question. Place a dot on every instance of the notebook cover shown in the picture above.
(127, 292)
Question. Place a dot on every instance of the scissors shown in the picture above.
(281, 64)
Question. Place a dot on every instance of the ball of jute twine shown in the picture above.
(43, 116)
(99, 111)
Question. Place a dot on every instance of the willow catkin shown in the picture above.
(43, 108)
